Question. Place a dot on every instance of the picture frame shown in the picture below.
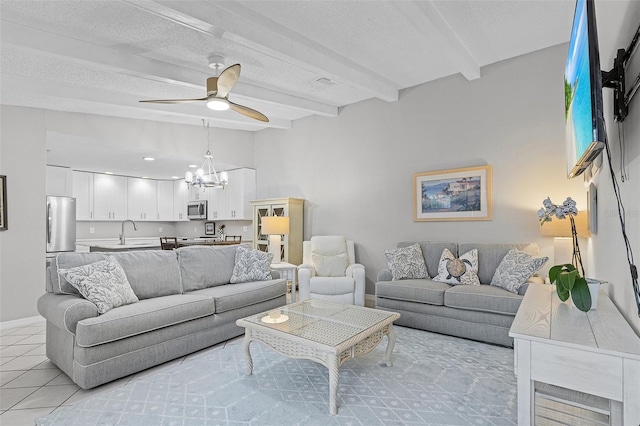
(209, 228)
(3, 203)
(453, 194)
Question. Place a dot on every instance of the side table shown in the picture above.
(288, 271)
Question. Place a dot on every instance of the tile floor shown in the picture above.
(31, 386)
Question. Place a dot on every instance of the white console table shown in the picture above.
(594, 352)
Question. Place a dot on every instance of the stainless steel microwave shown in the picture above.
(197, 210)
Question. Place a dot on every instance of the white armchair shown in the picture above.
(329, 271)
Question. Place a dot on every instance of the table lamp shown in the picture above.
(560, 230)
(274, 227)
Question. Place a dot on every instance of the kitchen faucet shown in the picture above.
(135, 228)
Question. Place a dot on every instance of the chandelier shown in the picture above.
(206, 176)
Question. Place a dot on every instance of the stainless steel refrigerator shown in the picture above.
(61, 224)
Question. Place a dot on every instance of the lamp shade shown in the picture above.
(562, 227)
(275, 225)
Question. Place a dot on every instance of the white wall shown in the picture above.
(356, 170)
(608, 253)
(22, 257)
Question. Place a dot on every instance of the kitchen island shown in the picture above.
(147, 244)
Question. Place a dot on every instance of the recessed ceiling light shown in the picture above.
(175, 177)
(193, 166)
(148, 158)
(144, 177)
(108, 173)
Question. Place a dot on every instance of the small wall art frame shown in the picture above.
(209, 228)
(3, 203)
(453, 194)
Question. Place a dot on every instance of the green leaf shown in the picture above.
(581, 295)
(562, 293)
(567, 279)
(553, 273)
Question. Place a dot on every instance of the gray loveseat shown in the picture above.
(186, 304)
(483, 313)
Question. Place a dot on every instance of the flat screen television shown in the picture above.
(585, 128)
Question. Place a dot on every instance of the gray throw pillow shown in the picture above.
(515, 269)
(251, 265)
(406, 263)
(103, 283)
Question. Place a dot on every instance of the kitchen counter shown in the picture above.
(149, 244)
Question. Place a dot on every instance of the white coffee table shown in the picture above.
(325, 332)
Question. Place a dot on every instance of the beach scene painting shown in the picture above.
(456, 194)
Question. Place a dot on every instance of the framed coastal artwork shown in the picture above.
(454, 194)
(3, 203)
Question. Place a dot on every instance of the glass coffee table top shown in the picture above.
(320, 321)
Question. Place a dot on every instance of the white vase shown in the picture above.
(594, 290)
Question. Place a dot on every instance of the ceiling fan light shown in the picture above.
(218, 104)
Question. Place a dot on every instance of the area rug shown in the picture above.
(434, 379)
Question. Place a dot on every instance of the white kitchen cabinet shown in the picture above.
(238, 194)
(293, 208)
(233, 202)
(196, 193)
(216, 202)
(59, 181)
(165, 200)
(83, 193)
(109, 197)
(142, 195)
(180, 200)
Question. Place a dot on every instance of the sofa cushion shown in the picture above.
(407, 262)
(103, 283)
(515, 269)
(142, 317)
(151, 273)
(330, 266)
(234, 296)
(421, 291)
(431, 252)
(332, 285)
(203, 267)
(484, 298)
(490, 256)
(463, 270)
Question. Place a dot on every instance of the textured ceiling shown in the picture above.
(101, 57)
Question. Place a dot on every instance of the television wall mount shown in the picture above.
(615, 79)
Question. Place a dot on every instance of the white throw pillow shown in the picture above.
(103, 283)
(406, 263)
(251, 265)
(515, 269)
(462, 270)
(330, 266)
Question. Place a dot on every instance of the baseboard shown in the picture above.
(370, 300)
(22, 322)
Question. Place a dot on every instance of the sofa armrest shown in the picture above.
(356, 271)
(385, 275)
(65, 310)
(305, 273)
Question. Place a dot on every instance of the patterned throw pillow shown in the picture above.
(406, 263)
(462, 270)
(515, 269)
(330, 266)
(251, 265)
(104, 283)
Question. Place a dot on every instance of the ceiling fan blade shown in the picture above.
(174, 101)
(251, 113)
(227, 79)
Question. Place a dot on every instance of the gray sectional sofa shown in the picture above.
(185, 304)
(483, 313)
